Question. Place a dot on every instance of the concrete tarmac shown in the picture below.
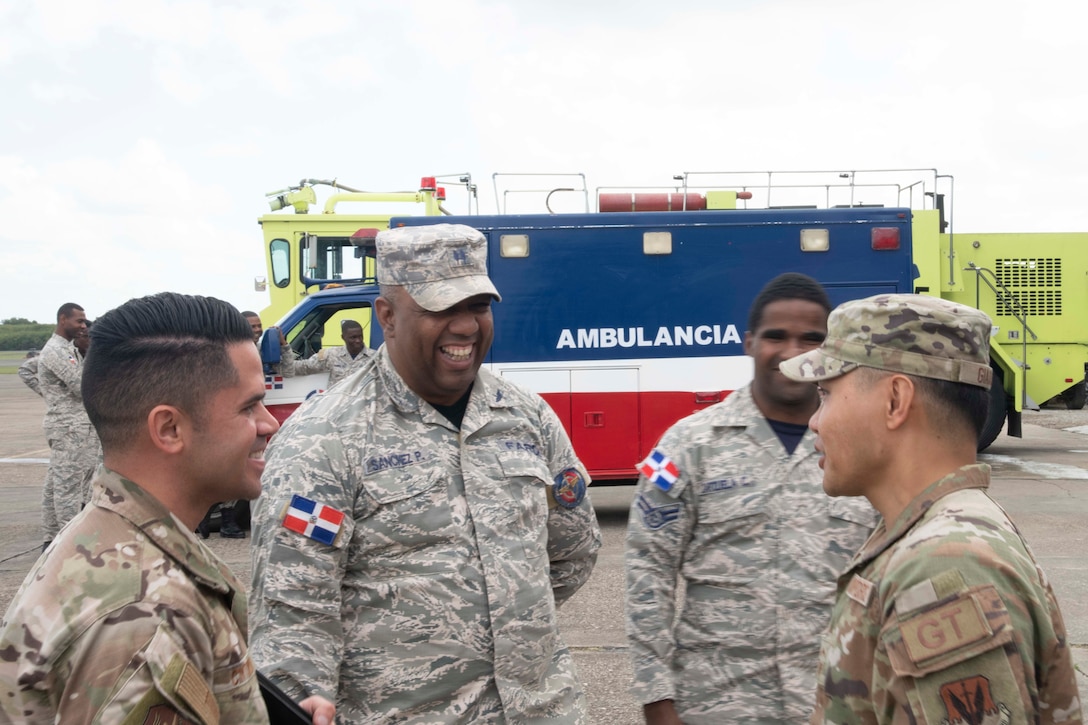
(1041, 480)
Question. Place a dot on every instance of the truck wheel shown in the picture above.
(1074, 398)
(995, 418)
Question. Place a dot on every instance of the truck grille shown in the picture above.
(1036, 283)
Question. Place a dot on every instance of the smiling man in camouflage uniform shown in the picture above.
(729, 506)
(128, 618)
(422, 521)
(943, 616)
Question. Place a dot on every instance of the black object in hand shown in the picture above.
(282, 710)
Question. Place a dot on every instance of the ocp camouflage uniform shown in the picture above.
(74, 450)
(334, 360)
(757, 546)
(944, 617)
(28, 373)
(127, 619)
(437, 602)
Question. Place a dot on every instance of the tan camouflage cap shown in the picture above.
(913, 334)
(438, 264)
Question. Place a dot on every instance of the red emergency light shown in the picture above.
(427, 183)
(885, 238)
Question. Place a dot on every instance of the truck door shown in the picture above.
(605, 417)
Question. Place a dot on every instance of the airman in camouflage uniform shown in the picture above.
(729, 506)
(127, 617)
(28, 373)
(422, 521)
(943, 616)
(74, 451)
(337, 361)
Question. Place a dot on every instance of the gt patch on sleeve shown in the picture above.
(656, 517)
(944, 629)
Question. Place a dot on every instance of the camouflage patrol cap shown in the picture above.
(438, 264)
(913, 334)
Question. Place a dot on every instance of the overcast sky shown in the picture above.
(138, 137)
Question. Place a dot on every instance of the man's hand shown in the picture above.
(322, 710)
(661, 712)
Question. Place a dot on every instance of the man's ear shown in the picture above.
(901, 393)
(168, 428)
(748, 343)
(384, 311)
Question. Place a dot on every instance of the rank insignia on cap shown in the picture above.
(660, 470)
(313, 520)
(569, 488)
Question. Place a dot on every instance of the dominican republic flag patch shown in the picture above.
(312, 519)
(660, 470)
(273, 382)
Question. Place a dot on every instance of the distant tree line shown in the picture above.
(19, 333)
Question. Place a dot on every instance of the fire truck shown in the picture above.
(630, 316)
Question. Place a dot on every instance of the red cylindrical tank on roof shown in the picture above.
(650, 201)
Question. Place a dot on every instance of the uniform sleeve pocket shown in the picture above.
(948, 633)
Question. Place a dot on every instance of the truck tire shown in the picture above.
(1074, 398)
(995, 418)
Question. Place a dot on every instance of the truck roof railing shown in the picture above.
(911, 188)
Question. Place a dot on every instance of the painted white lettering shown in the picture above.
(731, 335)
(682, 335)
(625, 340)
(608, 337)
(663, 337)
(701, 335)
(587, 338)
(565, 340)
(642, 341)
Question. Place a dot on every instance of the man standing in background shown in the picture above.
(730, 506)
(74, 450)
(337, 361)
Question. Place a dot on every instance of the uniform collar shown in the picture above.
(975, 475)
(486, 391)
(739, 410)
(115, 493)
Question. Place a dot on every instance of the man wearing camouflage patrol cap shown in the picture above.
(943, 615)
(422, 520)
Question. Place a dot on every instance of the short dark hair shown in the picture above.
(346, 323)
(787, 286)
(247, 313)
(950, 406)
(67, 309)
(953, 403)
(164, 349)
